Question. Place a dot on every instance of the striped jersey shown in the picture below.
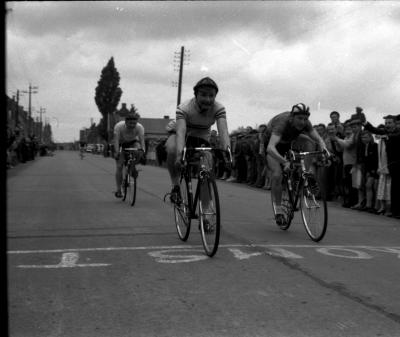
(198, 123)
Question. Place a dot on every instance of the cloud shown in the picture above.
(264, 55)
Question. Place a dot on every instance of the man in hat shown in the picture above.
(393, 158)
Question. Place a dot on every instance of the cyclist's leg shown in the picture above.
(170, 146)
(118, 174)
(276, 182)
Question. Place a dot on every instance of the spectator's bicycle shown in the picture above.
(130, 173)
(300, 188)
(206, 198)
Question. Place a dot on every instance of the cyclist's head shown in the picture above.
(300, 109)
(299, 116)
(205, 91)
(131, 118)
(205, 82)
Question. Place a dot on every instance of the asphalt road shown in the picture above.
(83, 263)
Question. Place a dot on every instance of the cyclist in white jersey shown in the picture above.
(127, 133)
(194, 119)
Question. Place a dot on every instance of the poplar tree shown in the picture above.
(108, 94)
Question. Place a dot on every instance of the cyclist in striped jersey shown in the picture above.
(194, 119)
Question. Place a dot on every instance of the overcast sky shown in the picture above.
(265, 56)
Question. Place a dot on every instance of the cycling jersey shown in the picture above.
(280, 125)
(124, 135)
(198, 123)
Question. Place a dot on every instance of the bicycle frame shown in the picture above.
(203, 172)
(297, 160)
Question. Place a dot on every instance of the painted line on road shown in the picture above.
(391, 249)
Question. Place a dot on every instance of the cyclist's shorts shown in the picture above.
(133, 143)
(196, 142)
(282, 148)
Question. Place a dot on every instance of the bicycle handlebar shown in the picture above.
(205, 149)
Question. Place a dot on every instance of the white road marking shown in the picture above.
(165, 256)
(354, 254)
(393, 249)
(184, 253)
(240, 255)
(68, 260)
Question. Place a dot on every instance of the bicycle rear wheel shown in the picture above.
(286, 203)
(132, 185)
(314, 212)
(182, 211)
(209, 215)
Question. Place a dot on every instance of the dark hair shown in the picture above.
(334, 113)
(205, 82)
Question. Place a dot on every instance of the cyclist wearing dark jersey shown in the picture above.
(282, 130)
(194, 119)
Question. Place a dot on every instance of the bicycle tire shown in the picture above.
(124, 187)
(209, 215)
(182, 214)
(286, 203)
(314, 213)
(132, 186)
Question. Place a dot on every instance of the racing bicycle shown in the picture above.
(301, 190)
(130, 173)
(197, 162)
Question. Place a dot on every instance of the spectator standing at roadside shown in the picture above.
(358, 171)
(335, 120)
(384, 183)
(348, 148)
(371, 168)
(393, 157)
(260, 156)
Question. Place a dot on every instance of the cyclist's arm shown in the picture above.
(180, 136)
(141, 138)
(317, 138)
(116, 141)
(222, 127)
(271, 148)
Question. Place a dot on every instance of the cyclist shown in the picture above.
(282, 130)
(82, 146)
(194, 119)
(127, 133)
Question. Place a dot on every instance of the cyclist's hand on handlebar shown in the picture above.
(286, 166)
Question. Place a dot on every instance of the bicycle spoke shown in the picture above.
(182, 212)
(209, 216)
(314, 214)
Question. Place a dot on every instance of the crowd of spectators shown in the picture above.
(20, 147)
(364, 171)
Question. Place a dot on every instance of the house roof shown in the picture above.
(154, 125)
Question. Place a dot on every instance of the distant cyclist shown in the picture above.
(82, 147)
(127, 133)
(194, 119)
(282, 130)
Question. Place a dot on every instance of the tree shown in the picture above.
(108, 94)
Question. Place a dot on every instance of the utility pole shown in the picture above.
(17, 109)
(42, 111)
(181, 57)
(32, 90)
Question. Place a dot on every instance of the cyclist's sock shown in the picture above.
(278, 209)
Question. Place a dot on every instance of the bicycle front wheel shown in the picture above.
(132, 185)
(125, 183)
(314, 212)
(286, 203)
(182, 211)
(209, 215)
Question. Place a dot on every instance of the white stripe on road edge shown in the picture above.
(68, 260)
(394, 250)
